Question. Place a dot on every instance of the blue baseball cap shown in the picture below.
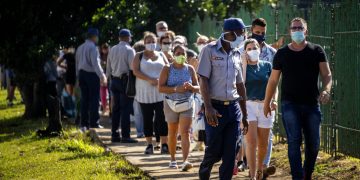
(93, 32)
(232, 24)
(125, 32)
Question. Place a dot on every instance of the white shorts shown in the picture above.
(255, 112)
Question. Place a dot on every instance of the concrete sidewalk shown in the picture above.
(156, 165)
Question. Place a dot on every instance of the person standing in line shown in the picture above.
(192, 59)
(91, 75)
(67, 62)
(139, 120)
(70, 75)
(299, 64)
(201, 41)
(118, 66)
(179, 82)
(147, 66)
(224, 97)
(257, 75)
(267, 52)
(104, 52)
(166, 46)
(161, 29)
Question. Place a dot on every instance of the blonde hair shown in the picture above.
(148, 34)
(249, 41)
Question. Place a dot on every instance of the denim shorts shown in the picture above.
(173, 117)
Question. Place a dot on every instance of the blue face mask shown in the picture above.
(298, 36)
(259, 38)
(233, 44)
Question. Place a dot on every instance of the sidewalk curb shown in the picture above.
(95, 137)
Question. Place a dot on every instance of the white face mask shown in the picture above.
(200, 47)
(254, 55)
(166, 48)
(150, 46)
(160, 33)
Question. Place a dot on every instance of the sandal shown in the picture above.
(259, 174)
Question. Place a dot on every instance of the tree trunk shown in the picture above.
(34, 100)
(53, 105)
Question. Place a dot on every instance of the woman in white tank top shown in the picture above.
(147, 66)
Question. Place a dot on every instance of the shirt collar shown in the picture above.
(123, 43)
(89, 41)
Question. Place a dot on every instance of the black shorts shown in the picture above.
(70, 79)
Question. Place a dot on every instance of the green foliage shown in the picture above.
(73, 156)
(34, 29)
(140, 15)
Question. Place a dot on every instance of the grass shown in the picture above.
(327, 167)
(72, 156)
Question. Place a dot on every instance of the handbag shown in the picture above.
(130, 86)
(131, 80)
(180, 105)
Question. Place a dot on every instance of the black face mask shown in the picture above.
(259, 38)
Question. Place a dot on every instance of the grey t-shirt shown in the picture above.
(223, 71)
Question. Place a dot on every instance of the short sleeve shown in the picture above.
(204, 68)
(239, 76)
(130, 57)
(269, 67)
(321, 54)
(277, 61)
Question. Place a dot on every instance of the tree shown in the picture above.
(34, 29)
(142, 15)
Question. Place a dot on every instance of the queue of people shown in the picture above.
(227, 92)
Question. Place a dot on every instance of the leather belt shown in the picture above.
(224, 103)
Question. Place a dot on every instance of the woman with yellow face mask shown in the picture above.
(178, 81)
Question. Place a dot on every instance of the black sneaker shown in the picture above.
(115, 139)
(164, 149)
(128, 140)
(149, 149)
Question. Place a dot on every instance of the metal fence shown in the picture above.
(336, 27)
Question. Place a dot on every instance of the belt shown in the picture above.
(119, 77)
(256, 100)
(224, 103)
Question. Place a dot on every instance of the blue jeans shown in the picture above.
(139, 123)
(222, 142)
(297, 119)
(89, 84)
(269, 150)
(121, 109)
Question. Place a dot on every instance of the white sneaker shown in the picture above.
(186, 166)
(83, 129)
(173, 165)
(242, 167)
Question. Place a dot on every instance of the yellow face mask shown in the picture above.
(180, 59)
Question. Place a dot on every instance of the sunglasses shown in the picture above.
(297, 28)
(166, 43)
(249, 49)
